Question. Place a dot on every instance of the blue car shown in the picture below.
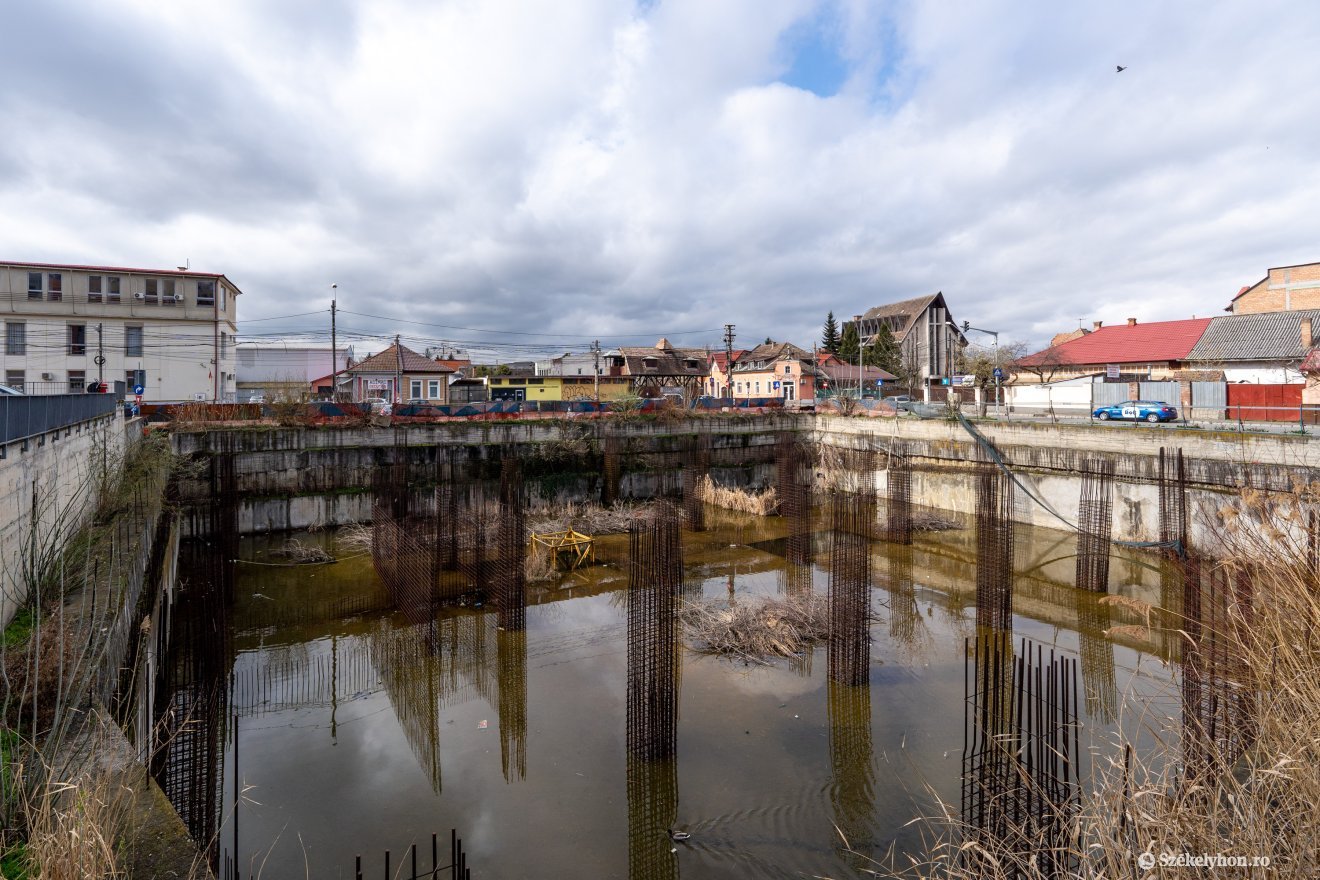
(1137, 410)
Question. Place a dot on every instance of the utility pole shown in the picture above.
(728, 358)
(857, 322)
(334, 348)
(100, 357)
(595, 356)
(398, 360)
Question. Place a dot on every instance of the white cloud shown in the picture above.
(590, 167)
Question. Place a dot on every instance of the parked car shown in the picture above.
(6, 390)
(901, 402)
(1137, 410)
(379, 405)
(417, 401)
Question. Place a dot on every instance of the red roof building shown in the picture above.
(1152, 350)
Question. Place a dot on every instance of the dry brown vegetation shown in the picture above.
(1150, 801)
(297, 552)
(756, 631)
(589, 519)
(764, 503)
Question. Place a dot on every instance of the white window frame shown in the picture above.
(414, 388)
(433, 389)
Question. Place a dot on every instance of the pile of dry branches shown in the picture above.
(589, 519)
(754, 632)
(299, 553)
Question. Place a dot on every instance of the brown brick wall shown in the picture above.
(1261, 299)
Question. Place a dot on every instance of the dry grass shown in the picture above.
(754, 632)
(297, 552)
(764, 503)
(1150, 801)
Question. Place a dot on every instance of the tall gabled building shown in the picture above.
(928, 338)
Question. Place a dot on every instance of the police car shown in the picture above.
(1137, 410)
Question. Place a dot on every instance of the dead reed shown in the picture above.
(1241, 788)
(764, 503)
(589, 519)
(755, 632)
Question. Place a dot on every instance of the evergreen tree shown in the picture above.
(883, 351)
(830, 340)
(847, 348)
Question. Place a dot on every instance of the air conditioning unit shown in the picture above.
(178, 297)
(47, 377)
(139, 295)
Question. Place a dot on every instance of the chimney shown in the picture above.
(1132, 322)
(1306, 334)
(1096, 325)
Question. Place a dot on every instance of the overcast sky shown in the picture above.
(602, 168)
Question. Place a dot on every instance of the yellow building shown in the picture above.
(540, 388)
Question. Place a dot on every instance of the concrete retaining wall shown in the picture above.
(47, 483)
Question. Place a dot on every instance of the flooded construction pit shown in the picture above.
(355, 728)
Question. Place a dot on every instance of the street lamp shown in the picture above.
(857, 322)
(966, 325)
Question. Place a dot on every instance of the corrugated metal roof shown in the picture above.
(1267, 336)
(1126, 344)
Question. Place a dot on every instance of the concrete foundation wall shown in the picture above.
(47, 488)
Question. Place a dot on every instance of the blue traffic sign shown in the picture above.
(999, 374)
(138, 389)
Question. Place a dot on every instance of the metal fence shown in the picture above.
(1209, 395)
(26, 416)
(1109, 393)
(1167, 392)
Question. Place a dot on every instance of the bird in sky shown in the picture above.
(1120, 67)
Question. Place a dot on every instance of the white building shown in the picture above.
(271, 369)
(170, 331)
(569, 364)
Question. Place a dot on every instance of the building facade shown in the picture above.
(775, 369)
(928, 339)
(271, 370)
(399, 375)
(169, 331)
(1283, 289)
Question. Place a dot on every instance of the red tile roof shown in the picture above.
(1126, 344)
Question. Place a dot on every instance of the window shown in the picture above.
(167, 292)
(758, 387)
(77, 381)
(133, 342)
(206, 293)
(151, 291)
(788, 368)
(102, 288)
(77, 339)
(415, 388)
(134, 377)
(54, 287)
(15, 379)
(224, 344)
(34, 285)
(15, 338)
(433, 389)
(223, 291)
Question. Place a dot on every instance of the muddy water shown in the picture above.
(359, 731)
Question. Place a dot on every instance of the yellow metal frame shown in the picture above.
(572, 549)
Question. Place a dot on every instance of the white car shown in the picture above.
(379, 405)
(5, 390)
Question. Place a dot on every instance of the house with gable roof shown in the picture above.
(398, 374)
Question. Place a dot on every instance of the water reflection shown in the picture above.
(773, 759)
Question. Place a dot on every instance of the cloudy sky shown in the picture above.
(611, 168)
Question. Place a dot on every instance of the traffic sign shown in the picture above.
(139, 398)
(999, 374)
(138, 390)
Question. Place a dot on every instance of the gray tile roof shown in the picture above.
(1268, 336)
